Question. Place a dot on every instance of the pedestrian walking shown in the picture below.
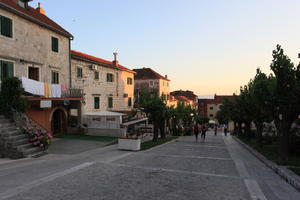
(203, 132)
(216, 129)
(196, 131)
(225, 129)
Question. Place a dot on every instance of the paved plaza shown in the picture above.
(218, 168)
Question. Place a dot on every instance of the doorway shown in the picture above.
(59, 122)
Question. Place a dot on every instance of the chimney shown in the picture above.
(40, 9)
(166, 76)
(115, 62)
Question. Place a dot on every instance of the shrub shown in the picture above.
(11, 96)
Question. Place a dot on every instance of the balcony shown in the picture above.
(72, 93)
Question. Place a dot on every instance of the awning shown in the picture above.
(104, 114)
(134, 122)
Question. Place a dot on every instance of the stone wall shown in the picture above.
(31, 46)
(101, 88)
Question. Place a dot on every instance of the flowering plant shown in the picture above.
(39, 138)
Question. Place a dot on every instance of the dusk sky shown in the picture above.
(208, 46)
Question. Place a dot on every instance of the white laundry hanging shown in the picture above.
(56, 91)
(32, 86)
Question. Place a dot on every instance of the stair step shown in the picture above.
(7, 124)
(8, 129)
(25, 146)
(20, 142)
(17, 137)
(32, 150)
(2, 121)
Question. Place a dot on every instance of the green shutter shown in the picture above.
(6, 70)
(54, 42)
(96, 102)
(110, 102)
(10, 70)
(1, 70)
(6, 26)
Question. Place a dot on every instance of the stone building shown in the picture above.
(35, 47)
(107, 85)
(210, 107)
(148, 80)
(186, 96)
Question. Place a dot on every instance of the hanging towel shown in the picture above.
(56, 91)
(64, 87)
(32, 86)
(47, 93)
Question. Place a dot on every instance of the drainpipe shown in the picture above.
(70, 64)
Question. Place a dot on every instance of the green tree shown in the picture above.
(11, 96)
(261, 94)
(155, 109)
(286, 98)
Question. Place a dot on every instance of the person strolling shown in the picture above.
(196, 131)
(216, 129)
(203, 132)
(225, 129)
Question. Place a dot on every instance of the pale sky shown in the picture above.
(207, 46)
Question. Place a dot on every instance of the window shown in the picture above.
(54, 77)
(211, 108)
(110, 102)
(129, 101)
(96, 75)
(96, 102)
(151, 83)
(211, 115)
(109, 77)
(33, 73)
(129, 81)
(167, 83)
(79, 72)
(6, 26)
(6, 70)
(54, 44)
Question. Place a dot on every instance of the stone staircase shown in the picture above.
(14, 143)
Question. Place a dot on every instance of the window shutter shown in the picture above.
(54, 44)
(1, 21)
(1, 73)
(10, 70)
(6, 26)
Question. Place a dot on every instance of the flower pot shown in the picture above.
(129, 144)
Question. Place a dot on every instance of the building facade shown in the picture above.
(210, 107)
(107, 86)
(186, 96)
(148, 80)
(36, 48)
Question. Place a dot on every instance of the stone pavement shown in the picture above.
(218, 168)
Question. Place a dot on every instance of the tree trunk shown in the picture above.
(248, 129)
(283, 133)
(155, 131)
(162, 129)
(239, 129)
(235, 128)
(259, 138)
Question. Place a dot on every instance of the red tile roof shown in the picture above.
(148, 73)
(33, 15)
(90, 58)
(182, 98)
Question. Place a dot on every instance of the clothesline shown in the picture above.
(43, 89)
